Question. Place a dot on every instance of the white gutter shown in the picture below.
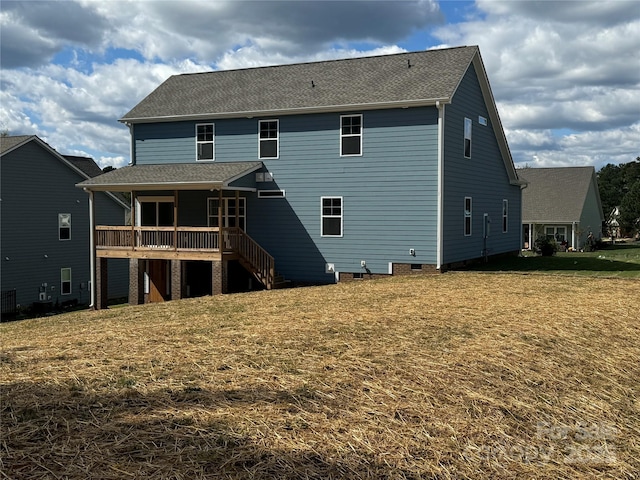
(439, 225)
(92, 250)
(522, 187)
(422, 102)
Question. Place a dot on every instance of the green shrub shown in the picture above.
(547, 246)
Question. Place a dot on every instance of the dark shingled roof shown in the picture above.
(179, 175)
(406, 77)
(8, 142)
(86, 164)
(555, 195)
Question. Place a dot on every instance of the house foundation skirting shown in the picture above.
(396, 268)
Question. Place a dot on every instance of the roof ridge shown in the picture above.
(317, 62)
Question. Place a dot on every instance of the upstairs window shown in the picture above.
(505, 215)
(204, 141)
(268, 138)
(331, 216)
(350, 135)
(467, 137)
(467, 216)
(64, 226)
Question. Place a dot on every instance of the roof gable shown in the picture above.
(83, 166)
(374, 82)
(556, 195)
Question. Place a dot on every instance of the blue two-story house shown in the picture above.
(45, 228)
(324, 172)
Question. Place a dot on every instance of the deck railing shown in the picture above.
(257, 257)
(153, 238)
(190, 239)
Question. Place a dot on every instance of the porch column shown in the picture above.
(102, 281)
(136, 281)
(237, 208)
(176, 279)
(175, 226)
(92, 248)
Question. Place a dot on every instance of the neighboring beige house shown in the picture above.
(563, 203)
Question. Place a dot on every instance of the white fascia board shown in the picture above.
(128, 187)
(427, 102)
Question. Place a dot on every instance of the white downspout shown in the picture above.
(92, 250)
(130, 125)
(439, 225)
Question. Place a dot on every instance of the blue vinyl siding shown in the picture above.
(482, 177)
(388, 205)
(36, 187)
(389, 193)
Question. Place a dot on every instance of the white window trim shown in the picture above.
(281, 193)
(212, 142)
(322, 216)
(153, 199)
(225, 209)
(361, 134)
(505, 215)
(60, 215)
(62, 282)
(467, 121)
(468, 215)
(277, 139)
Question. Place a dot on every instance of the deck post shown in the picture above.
(102, 282)
(216, 277)
(176, 279)
(136, 281)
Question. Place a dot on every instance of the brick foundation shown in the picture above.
(219, 280)
(397, 268)
(136, 282)
(176, 279)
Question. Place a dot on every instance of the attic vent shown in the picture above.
(313, 85)
(409, 63)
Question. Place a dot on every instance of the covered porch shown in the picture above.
(186, 230)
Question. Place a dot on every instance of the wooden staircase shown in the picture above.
(253, 258)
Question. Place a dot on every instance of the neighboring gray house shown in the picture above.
(563, 203)
(45, 254)
(324, 172)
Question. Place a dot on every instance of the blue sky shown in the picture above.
(565, 75)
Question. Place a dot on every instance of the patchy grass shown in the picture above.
(621, 261)
(460, 376)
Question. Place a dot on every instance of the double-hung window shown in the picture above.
(467, 216)
(350, 135)
(205, 141)
(331, 214)
(65, 281)
(64, 226)
(505, 216)
(467, 137)
(268, 139)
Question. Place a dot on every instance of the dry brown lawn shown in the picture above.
(464, 375)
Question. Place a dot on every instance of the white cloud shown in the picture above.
(79, 111)
(565, 74)
(567, 66)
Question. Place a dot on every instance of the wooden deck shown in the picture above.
(185, 243)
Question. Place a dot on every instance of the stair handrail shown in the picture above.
(260, 260)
